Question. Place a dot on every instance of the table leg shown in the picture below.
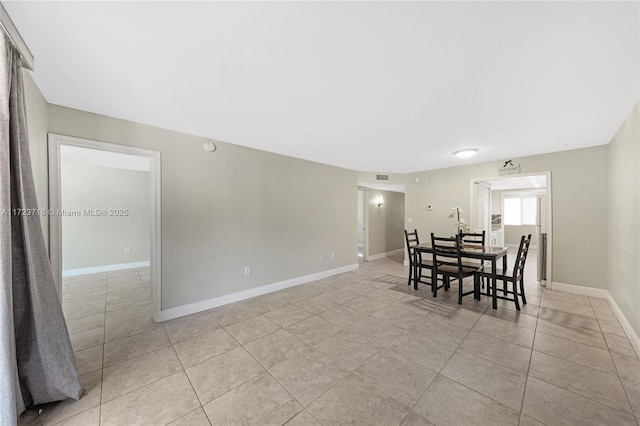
(415, 270)
(494, 284)
(504, 271)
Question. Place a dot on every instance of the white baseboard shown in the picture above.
(581, 290)
(104, 268)
(383, 255)
(626, 325)
(193, 308)
(603, 294)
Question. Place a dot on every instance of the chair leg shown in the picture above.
(476, 287)
(410, 274)
(515, 295)
(417, 276)
(524, 299)
(434, 283)
(460, 289)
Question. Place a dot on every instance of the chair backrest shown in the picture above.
(473, 238)
(412, 240)
(521, 258)
(446, 251)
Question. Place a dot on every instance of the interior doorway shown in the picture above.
(105, 223)
(518, 205)
(363, 197)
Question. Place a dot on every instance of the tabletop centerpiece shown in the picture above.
(461, 225)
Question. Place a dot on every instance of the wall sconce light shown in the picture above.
(380, 201)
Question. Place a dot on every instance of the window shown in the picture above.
(520, 210)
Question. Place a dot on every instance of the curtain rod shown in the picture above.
(15, 37)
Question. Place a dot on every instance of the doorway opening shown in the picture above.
(510, 207)
(362, 209)
(380, 222)
(104, 227)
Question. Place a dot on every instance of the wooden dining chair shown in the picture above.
(474, 239)
(516, 277)
(416, 261)
(448, 262)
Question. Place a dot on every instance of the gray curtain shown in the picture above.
(36, 358)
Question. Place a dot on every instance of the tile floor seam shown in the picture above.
(624, 389)
(484, 395)
(204, 360)
(575, 363)
(575, 341)
(184, 371)
(526, 380)
(390, 277)
(438, 373)
(586, 397)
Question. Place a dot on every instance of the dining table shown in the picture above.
(489, 254)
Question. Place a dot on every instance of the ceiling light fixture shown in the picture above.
(466, 153)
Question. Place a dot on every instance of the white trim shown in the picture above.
(155, 188)
(624, 322)
(579, 289)
(104, 268)
(406, 263)
(387, 254)
(193, 308)
(549, 212)
(603, 294)
(14, 35)
(365, 219)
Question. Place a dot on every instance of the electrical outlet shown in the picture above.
(333, 254)
(247, 270)
(127, 250)
(409, 220)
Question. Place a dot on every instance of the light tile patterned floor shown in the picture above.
(358, 348)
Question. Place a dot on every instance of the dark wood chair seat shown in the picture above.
(447, 262)
(453, 270)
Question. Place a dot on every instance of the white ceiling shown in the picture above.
(372, 86)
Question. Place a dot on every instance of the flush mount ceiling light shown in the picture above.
(466, 153)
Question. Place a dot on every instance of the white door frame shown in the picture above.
(549, 213)
(55, 204)
(365, 221)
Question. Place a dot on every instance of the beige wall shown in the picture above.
(242, 207)
(623, 243)
(579, 185)
(233, 208)
(513, 233)
(394, 178)
(89, 241)
(386, 222)
(37, 124)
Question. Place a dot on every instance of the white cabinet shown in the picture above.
(496, 238)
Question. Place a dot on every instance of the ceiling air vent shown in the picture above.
(382, 177)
